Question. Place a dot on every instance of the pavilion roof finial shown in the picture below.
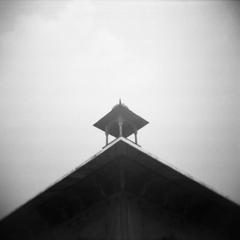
(120, 101)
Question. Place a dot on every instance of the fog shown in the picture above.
(65, 64)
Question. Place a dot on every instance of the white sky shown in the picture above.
(64, 64)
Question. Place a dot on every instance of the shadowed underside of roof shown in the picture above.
(124, 167)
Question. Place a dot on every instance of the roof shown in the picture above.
(145, 177)
(130, 119)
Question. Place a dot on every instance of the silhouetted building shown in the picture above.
(124, 193)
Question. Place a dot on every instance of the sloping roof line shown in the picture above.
(64, 176)
(151, 157)
(172, 168)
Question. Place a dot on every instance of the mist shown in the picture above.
(65, 64)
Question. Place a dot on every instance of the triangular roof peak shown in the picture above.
(121, 122)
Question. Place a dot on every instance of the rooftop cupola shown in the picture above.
(120, 122)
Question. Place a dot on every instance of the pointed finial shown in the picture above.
(120, 102)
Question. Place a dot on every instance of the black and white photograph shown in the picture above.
(120, 119)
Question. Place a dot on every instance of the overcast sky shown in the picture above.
(64, 64)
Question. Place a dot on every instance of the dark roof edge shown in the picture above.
(60, 179)
(122, 139)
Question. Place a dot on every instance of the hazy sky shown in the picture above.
(64, 64)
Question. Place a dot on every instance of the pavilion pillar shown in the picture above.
(135, 135)
(120, 124)
(106, 134)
